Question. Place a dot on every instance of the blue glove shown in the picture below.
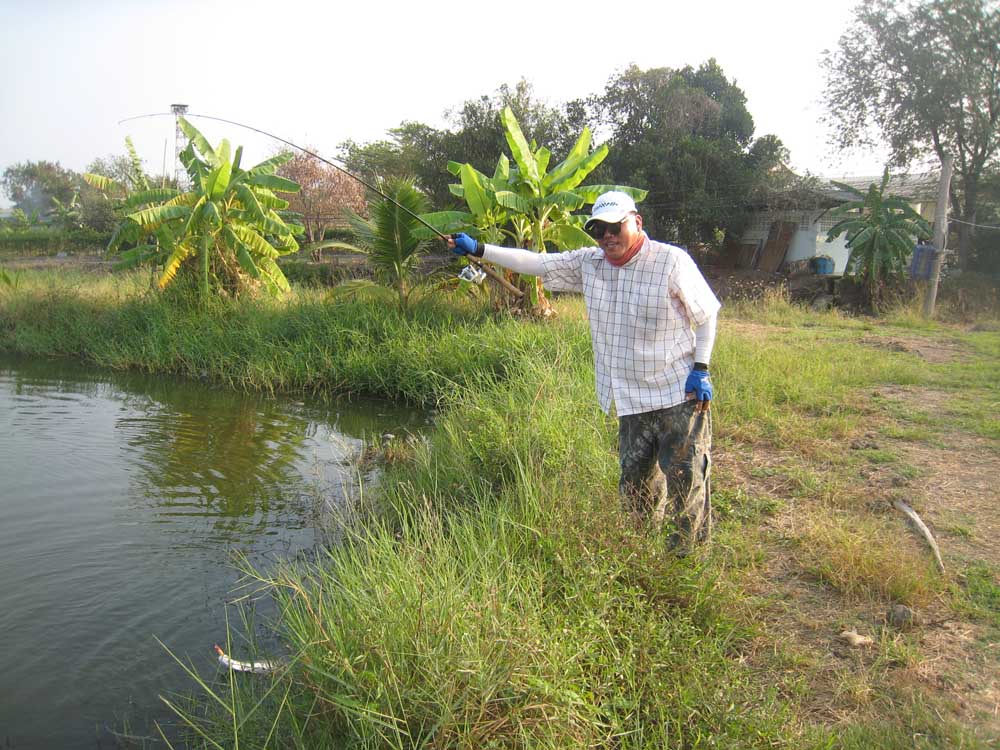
(699, 384)
(465, 245)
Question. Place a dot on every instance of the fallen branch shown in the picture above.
(922, 528)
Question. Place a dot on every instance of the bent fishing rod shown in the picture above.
(482, 267)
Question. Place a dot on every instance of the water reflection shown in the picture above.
(121, 500)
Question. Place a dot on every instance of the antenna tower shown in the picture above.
(180, 174)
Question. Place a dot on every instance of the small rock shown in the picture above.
(900, 616)
(822, 303)
(856, 640)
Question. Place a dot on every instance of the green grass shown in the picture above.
(981, 593)
(491, 594)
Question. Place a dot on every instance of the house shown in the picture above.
(792, 228)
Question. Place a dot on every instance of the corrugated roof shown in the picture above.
(916, 186)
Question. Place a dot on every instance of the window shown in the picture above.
(827, 222)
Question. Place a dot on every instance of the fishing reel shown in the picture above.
(472, 273)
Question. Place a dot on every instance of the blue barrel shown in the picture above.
(823, 265)
(922, 262)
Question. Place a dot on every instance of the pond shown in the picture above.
(123, 499)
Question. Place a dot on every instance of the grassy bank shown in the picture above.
(491, 594)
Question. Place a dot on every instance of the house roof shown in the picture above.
(821, 192)
(916, 186)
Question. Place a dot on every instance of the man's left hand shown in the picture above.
(698, 387)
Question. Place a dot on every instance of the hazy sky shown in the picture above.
(319, 73)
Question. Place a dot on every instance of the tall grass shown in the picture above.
(302, 343)
(492, 594)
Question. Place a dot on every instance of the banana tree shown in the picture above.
(67, 215)
(881, 231)
(226, 228)
(526, 202)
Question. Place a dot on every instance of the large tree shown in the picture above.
(925, 79)
(118, 176)
(474, 135)
(33, 184)
(687, 136)
(326, 196)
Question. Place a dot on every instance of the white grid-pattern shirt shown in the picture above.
(641, 319)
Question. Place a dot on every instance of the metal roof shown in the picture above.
(916, 186)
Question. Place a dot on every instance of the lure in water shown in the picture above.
(256, 667)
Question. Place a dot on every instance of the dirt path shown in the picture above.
(949, 655)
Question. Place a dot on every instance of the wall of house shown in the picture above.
(809, 240)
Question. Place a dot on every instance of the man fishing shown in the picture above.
(652, 324)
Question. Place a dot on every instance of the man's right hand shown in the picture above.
(463, 244)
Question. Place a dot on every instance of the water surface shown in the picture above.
(122, 501)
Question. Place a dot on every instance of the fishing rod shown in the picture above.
(480, 267)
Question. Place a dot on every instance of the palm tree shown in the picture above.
(392, 240)
(881, 232)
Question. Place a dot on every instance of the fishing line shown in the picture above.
(489, 271)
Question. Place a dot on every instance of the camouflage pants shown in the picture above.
(666, 460)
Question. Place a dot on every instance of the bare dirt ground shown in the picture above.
(77, 262)
(946, 654)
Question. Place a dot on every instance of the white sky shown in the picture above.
(318, 73)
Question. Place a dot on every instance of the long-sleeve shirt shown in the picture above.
(642, 317)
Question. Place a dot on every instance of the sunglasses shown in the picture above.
(599, 228)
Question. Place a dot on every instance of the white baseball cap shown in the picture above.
(611, 207)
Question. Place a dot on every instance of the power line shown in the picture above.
(970, 224)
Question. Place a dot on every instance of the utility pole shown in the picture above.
(940, 234)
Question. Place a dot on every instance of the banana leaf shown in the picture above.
(197, 140)
(101, 182)
(569, 237)
(156, 195)
(245, 261)
(137, 174)
(446, 222)
(267, 199)
(249, 202)
(150, 218)
(272, 275)
(218, 179)
(590, 193)
(502, 171)
(178, 256)
(273, 182)
(270, 166)
(542, 157)
(136, 256)
(475, 195)
(565, 199)
(575, 157)
(587, 166)
(519, 147)
(257, 244)
(513, 201)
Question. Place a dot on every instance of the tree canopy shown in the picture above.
(687, 136)
(475, 135)
(325, 195)
(925, 79)
(32, 185)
